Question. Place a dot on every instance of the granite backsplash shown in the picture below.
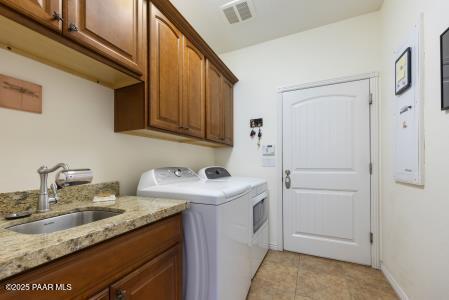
(27, 200)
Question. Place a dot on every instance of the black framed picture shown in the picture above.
(403, 73)
(444, 44)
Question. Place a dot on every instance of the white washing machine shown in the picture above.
(216, 249)
(258, 210)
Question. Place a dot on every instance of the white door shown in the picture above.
(326, 144)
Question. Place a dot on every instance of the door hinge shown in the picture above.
(371, 168)
(371, 237)
(370, 101)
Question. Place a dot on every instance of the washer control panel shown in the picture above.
(216, 172)
(174, 174)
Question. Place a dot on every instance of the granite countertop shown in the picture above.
(20, 252)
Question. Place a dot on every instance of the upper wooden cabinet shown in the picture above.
(219, 106)
(114, 28)
(228, 111)
(46, 12)
(194, 93)
(168, 82)
(177, 87)
(214, 104)
(166, 56)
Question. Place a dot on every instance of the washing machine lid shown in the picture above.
(186, 185)
(211, 193)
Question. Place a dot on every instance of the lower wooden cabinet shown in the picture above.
(103, 295)
(143, 264)
(156, 280)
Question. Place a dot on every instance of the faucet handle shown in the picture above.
(54, 190)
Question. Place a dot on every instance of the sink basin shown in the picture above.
(62, 222)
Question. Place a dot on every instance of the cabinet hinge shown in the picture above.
(370, 101)
(371, 168)
(371, 237)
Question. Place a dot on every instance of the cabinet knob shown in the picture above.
(56, 16)
(120, 295)
(73, 27)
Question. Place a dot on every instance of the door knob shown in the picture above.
(288, 181)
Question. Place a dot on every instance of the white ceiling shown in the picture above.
(274, 18)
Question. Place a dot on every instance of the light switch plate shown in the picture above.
(268, 150)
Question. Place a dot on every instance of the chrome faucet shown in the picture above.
(44, 201)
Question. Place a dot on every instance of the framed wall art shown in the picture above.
(403, 74)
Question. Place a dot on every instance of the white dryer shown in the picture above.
(216, 248)
(258, 210)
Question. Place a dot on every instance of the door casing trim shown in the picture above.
(375, 157)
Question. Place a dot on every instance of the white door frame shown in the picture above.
(375, 158)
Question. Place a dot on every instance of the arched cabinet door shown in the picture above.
(219, 107)
(165, 72)
(193, 100)
(214, 104)
(46, 12)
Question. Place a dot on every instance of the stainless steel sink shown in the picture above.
(62, 222)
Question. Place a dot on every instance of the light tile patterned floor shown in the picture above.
(291, 276)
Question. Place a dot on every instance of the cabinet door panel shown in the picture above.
(193, 100)
(159, 279)
(113, 28)
(228, 111)
(41, 11)
(214, 104)
(103, 295)
(165, 73)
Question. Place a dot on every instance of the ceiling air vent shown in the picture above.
(231, 15)
(238, 11)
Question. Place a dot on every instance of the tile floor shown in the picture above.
(287, 275)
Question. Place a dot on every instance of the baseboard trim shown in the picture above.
(397, 288)
(275, 247)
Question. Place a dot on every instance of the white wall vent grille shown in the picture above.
(238, 11)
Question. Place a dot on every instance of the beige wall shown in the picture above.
(416, 220)
(342, 49)
(76, 127)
